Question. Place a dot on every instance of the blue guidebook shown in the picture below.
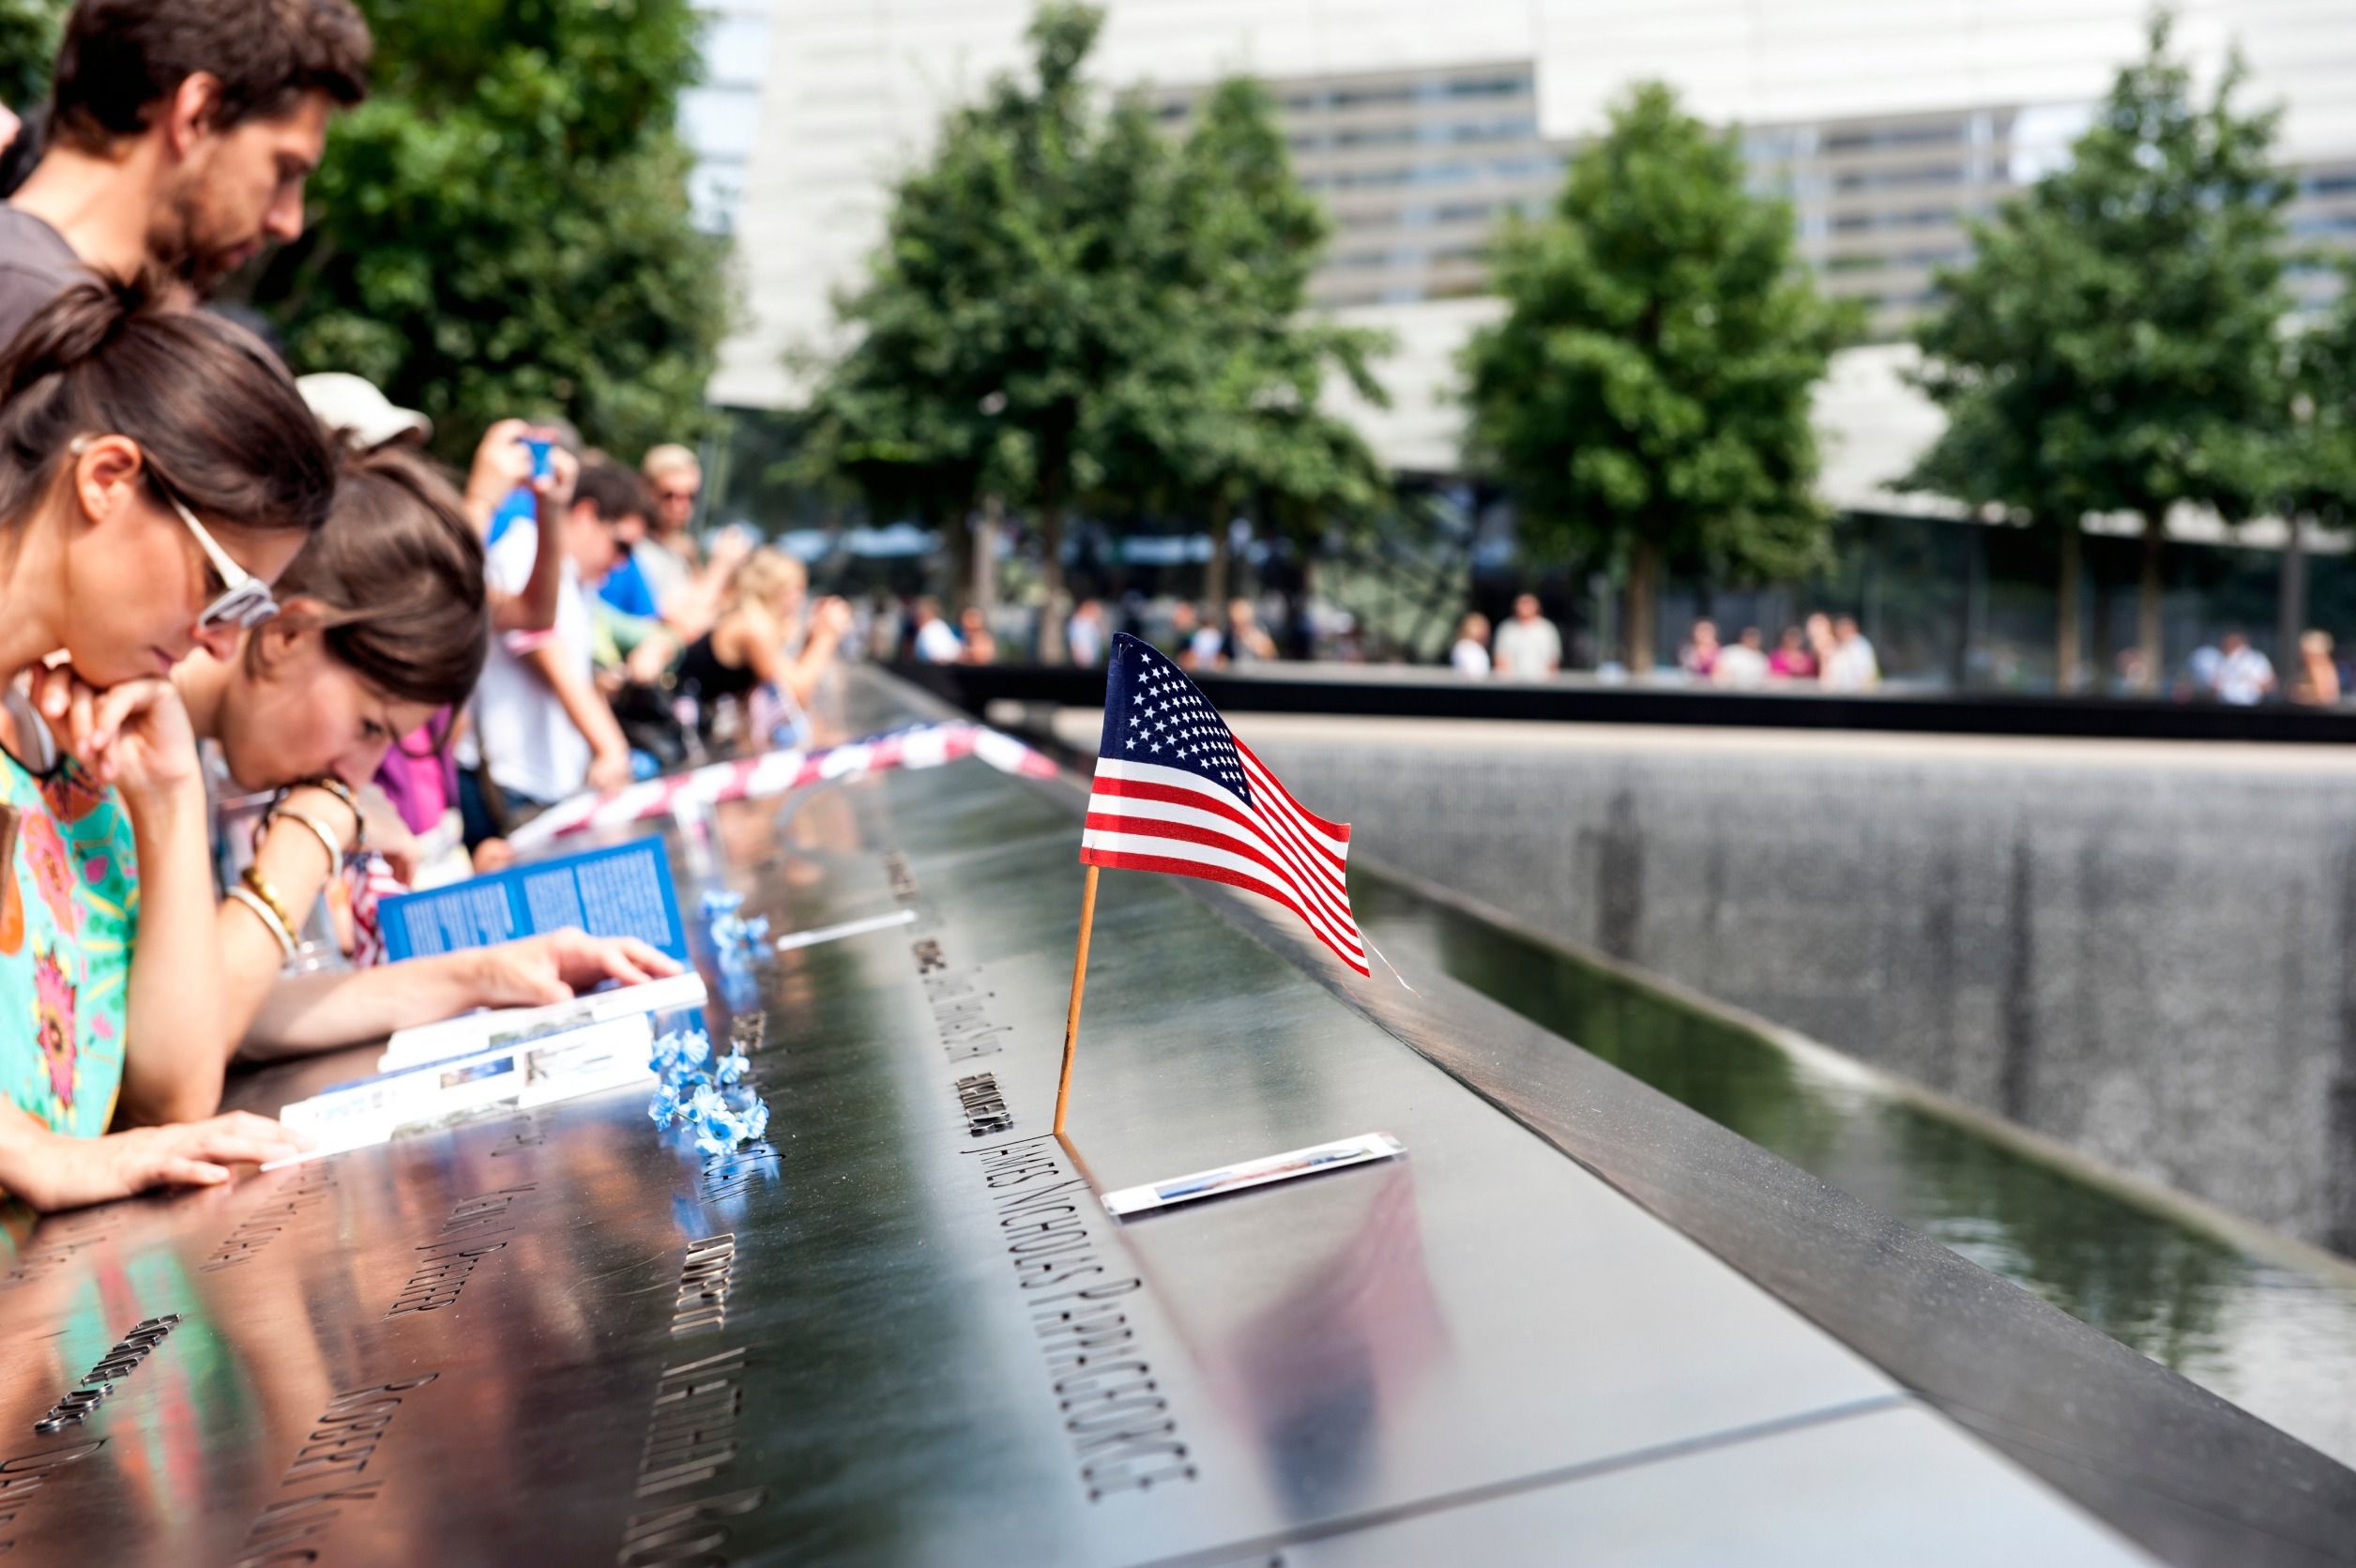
(622, 892)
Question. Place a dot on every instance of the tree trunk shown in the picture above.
(2069, 640)
(985, 563)
(2290, 604)
(1215, 574)
(959, 538)
(1051, 613)
(2147, 639)
(1644, 592)
(1301, 635)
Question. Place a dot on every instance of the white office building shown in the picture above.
(1885, 125)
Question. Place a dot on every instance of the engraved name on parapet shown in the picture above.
(97, 1383)
(734, 1174)
(959, 1006)
(692, 1430)
(984, 1107)
(50, 1254)
(264, 1226)
(523, 1133)
(342, 1442)
(23, 1474)
(1120, 1426)
(453, 1256)
(701, 1306)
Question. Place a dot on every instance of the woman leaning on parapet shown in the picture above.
(157, 470)
(383, 622)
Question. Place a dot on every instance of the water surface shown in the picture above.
(2265, 1322)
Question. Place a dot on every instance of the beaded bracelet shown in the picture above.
(259, 886)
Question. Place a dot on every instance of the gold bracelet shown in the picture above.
(269, 921)
(259, 886)
(327, 839)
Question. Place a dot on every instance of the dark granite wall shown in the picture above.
(2145, 952)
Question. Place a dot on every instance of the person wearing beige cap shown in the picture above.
(352, 407)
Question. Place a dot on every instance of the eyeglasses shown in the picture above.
(245, 599)
(687, 496)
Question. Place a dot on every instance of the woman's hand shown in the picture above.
(610, 772)
(650, 659)
(501, 463)
(67, 1173)
(135, 735)
(555, 488)
(729, 549)
(553, 967)
(832, 618)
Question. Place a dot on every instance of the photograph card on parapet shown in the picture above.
(1223, 1180)
(625, 891)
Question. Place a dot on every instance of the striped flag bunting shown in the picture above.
(777, 772)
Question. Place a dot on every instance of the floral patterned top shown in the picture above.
(69, 914)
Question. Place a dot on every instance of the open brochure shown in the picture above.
(501, 1062)
(624, 890)
(470, 1032)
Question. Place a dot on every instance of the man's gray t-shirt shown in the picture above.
(35, 265)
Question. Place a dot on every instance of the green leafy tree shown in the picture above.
(1223, 416)
(1068, 311)
(1644, 401)
(1018, 279)
(503, 227)
(2306, 472)
(29, 48)
(2322, 467)
(1987, 459)
(2115, 344)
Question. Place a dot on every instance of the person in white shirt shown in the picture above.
(1084, 634)
(540, 731)
(1742, 665)
(936, 641)
(1470, 656)
(1527, 648)
(1853, 665)
(2245, 676)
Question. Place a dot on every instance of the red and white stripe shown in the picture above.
(776, 772)
(1143, 816)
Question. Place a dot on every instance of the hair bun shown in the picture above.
(77, 326)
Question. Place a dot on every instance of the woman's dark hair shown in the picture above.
(217, 417)
(399, 570)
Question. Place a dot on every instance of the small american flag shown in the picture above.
(1177, 792)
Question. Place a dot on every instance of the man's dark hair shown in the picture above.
(120, 59)
(614, 490)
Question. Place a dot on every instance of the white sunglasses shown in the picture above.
(245, 599)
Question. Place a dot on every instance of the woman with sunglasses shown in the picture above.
(382, 622)
(157, 470)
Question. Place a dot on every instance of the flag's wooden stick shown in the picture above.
(1079, 985)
